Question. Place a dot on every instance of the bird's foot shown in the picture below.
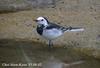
(50, 44)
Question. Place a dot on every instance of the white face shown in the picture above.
(41, 21)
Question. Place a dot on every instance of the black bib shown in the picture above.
(40, 29)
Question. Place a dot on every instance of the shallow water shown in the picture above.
(25, 52)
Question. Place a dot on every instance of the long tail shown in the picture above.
(74, 29)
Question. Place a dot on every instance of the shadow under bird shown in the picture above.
(51, 31)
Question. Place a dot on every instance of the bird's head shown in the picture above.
(42, 21)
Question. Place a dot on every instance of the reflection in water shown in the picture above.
(54, 63)
(26, 51)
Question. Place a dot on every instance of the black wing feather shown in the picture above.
(52, 25)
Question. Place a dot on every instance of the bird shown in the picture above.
(51, 31)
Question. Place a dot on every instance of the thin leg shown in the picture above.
(50, 44)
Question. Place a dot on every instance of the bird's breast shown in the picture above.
(51, 33)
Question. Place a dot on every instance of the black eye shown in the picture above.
(42, 20)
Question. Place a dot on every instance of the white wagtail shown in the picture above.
(51, 31)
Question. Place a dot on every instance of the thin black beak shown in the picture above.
(36, 20)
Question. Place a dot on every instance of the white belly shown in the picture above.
(52, 34)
